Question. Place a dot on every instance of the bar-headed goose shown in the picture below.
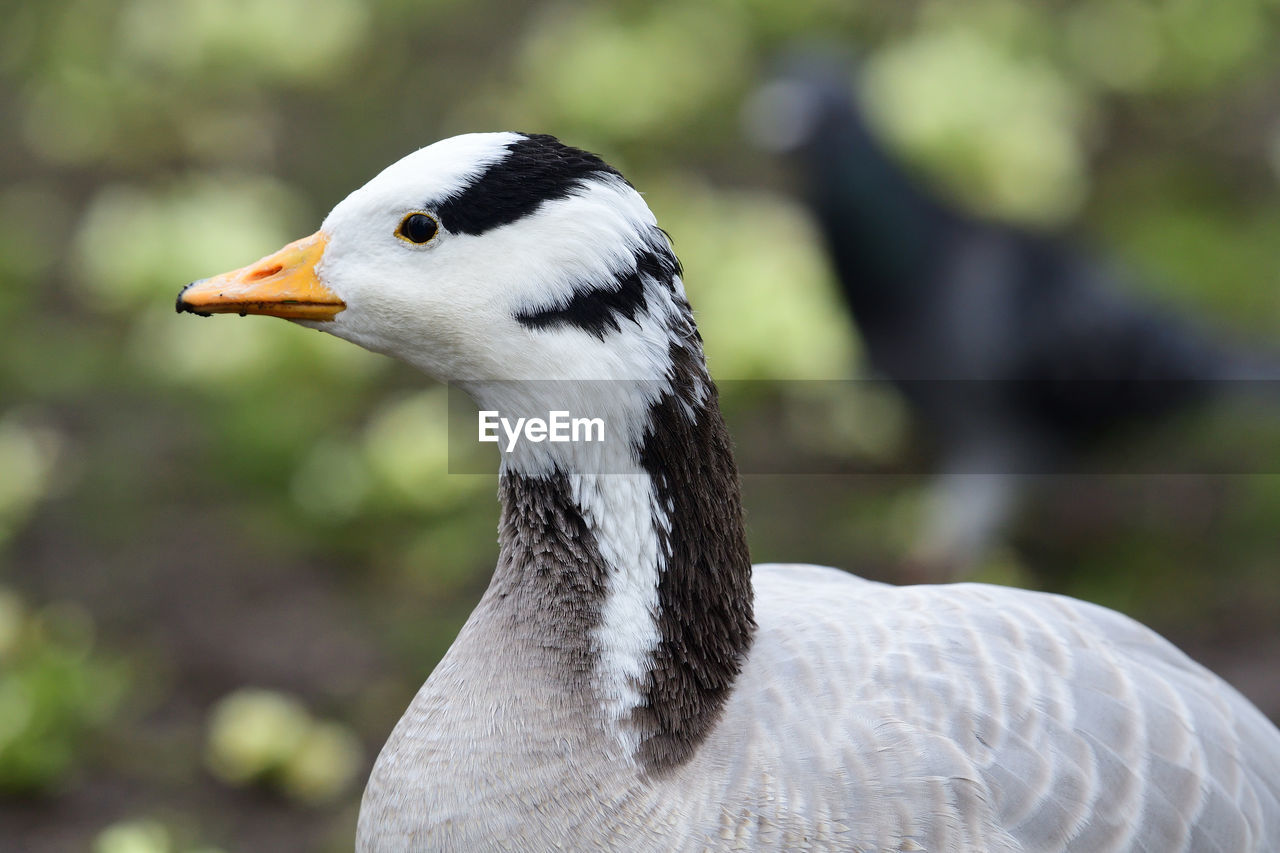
(627, 682)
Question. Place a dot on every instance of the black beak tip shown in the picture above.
(183, 306)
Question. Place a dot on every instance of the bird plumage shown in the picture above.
(868, 717)
(627, 682)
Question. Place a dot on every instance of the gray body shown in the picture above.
(867, 717)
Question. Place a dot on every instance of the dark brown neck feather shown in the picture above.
(550, 559)
(705, 597)
(549, 563)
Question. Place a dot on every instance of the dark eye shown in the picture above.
(417, 228)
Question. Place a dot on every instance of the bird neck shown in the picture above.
(638, 577)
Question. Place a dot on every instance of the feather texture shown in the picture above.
(868, 718)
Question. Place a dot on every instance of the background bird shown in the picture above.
(1015, 350)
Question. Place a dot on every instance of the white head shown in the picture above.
(488, 256)
(525, 275)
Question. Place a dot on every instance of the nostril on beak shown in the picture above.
(265, 272)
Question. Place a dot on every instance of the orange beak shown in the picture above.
(281, 285)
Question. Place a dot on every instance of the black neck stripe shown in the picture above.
(705, 600)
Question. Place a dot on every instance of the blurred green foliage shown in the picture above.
(54, 693)
(265, 736)
(245, 502)
(142, 836)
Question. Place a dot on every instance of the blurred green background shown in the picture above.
(230, 550)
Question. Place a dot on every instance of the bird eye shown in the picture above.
(418, 228)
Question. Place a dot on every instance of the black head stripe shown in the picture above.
(537, 168)
(596, 311)
(600, 307)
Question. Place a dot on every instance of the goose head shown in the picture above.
(499, 261)
(488, 256)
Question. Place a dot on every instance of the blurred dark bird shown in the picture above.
(1015, 350)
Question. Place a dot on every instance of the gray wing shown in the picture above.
(977, 717)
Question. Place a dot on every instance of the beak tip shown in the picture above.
(183, 306)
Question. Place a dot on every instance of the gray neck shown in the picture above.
(640, 583)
